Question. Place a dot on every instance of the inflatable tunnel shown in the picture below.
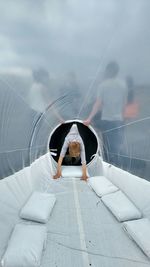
(65, 62)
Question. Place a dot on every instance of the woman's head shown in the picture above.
(74, 149)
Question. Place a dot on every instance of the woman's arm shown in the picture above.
(58, 174)
(95, 109)
(62, 154)
(84, 172)
(83, 160)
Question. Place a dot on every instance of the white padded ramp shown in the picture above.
(72, 171)
(139, 231)
(122, 208)
(101, 185)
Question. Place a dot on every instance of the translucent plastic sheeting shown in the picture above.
(54, 58)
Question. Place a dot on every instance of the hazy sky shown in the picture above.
(64, 35)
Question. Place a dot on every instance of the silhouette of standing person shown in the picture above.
(73, 97)
(38, 93)
(111, 100)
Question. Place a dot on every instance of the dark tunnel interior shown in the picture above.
(88, 136)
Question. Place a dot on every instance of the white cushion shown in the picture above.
(72, 171)
(122, 208)
(25, 246)
(101, 185)
(139, 231)
(38, 207)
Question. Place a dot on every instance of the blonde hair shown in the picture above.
(74, 149)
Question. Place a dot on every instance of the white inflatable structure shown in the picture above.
(83, 225)
(84, 62)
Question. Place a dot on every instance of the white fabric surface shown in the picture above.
(122, 208)
(72, 171)
(25, 246)
(101, 185)
(139, 231)
(38, 207)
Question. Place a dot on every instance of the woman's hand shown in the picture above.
(84, 177)
(87, 122)
(57, 175)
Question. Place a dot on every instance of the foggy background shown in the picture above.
(73, 35)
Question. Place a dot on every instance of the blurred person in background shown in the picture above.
(111, 100)
(41, 95)
(72, 92)
(38, 94)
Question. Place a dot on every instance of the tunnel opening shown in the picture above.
(88, 135)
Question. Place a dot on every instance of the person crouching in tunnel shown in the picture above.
(74, 142)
